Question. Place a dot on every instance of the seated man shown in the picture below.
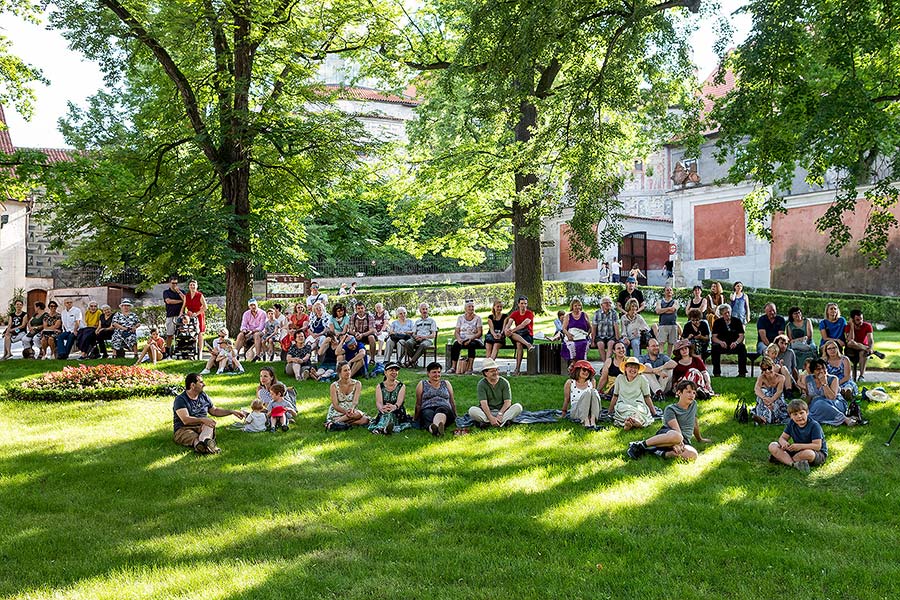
(520, 329)
(72, 321)
(355, 355)
(495, 407)
(658, 370)
(253, 323)
(424, 336)
(769, 326)
(16, 329)
(728, 338)
(697, 332)
(192, 407)
(860, 342)
(628, 293)
(362, 327)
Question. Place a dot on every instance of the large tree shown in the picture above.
(213, 141)
(535, 106)
(818, 87)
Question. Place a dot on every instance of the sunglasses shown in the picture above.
(765, 368)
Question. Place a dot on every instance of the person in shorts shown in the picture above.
(673, 439)
(191, 409)
(802, 444)
(605, 328)
(667, 330)
(520, 329)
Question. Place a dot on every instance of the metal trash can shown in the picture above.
(545, 359)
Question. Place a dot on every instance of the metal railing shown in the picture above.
(94, 276)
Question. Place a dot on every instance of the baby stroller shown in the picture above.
(186, 331)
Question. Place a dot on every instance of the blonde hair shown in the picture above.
(257, 405)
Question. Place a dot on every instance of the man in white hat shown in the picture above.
(495, 405)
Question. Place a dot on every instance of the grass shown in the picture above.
(97, 502)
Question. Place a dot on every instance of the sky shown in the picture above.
(73, 78)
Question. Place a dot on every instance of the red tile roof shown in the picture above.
(54, 155)
(359, 93)
(6, 145)
(712, 91)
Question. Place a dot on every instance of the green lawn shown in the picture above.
(97, 502)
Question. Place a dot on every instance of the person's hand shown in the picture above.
(494, 421)
(563, 416)
(208, 421)
(783, 444)
(678, 449)
(240, 414)
(792, 447)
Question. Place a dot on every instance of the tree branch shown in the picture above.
(889, 98)
(174, 73)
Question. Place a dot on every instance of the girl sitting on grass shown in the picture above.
(770, 408)
(155, 348)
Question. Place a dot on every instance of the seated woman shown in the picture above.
(576, 333)
(494, 339)
(319, 325)
(125, 324)
(832, 326)
(340, 320)
(466, 335)
(825, 403)
(770, 409)
(104, 332)
(155, 348)
(214, 351)
(299, 357)
(381, 321)
(800, 335)
(839, 365)
(631, 405)
(691, 367)
(612, 367)
(784, 364)
(400, 330)
(632, 326)
(345, 394)
(435, 406)
(390, 397)
(581, 402)
(35, 327)
(697, 332)
(52, 327)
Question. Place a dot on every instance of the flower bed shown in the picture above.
(98, 382)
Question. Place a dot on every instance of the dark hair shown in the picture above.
(40, 305)
(190, 379)
(278, 306)
(360, 303)
(520, 298)
(855, 313)
(53, 303)
(694, 313)
(271, 373)
(154, 330)
(685, 384)
(278, 388)
(28, 353)
(816, 364)
(338, 306)
(696, 287)
(793, 311)
(795, 406)
(432, 366)
(298, 332)
(736, 283)
(340, 366)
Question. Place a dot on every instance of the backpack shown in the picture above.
(741, 412)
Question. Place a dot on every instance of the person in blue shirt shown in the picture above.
(802, 444)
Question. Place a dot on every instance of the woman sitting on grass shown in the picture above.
(839, 365)
(267, 379)
(770, 408)
(390, 396)
(435, 407)
(581, 402)
(155, 348)
(691, 367)
(344, 400)
(825, 403)
(631, 405)
(612, 368)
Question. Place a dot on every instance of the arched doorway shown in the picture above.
(35, 295)
(633, 251)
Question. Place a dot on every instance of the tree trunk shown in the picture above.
(236, 193)
(527, 255)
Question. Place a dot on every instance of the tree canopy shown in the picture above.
(818, 87)
(214, 139)
(532, 107)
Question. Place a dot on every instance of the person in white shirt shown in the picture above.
(315, 296)
(72, 320)
(616, 269)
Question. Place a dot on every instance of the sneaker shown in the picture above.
(204, 372)
(802, 466)
(451, 371)
(879, 354)
(861, 378)
(211, 446)
(389, 429)
(635, 450)
(219, 372)
(284, 427)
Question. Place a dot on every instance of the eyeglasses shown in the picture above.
(765, 368)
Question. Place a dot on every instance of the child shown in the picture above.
(631, 405)
(227, 357)
(673, 440)
(154, 350)
(255, 422)
(557, 323)
(277, 412)
(770, 406)
(271, 335)
(807, 446)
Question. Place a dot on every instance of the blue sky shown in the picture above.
(72, 78)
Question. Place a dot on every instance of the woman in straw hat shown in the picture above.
(631, 405)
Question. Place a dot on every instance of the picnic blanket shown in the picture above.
(523, 418)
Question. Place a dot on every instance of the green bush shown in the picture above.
(82, 383)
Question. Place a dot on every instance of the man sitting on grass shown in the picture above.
(673, 440)
(495, 407)
(193, 427)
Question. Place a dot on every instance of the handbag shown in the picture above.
(398, 337)
(741, 412)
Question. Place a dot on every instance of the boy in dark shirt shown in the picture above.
(807, 440)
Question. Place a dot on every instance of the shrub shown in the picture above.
(98, 382)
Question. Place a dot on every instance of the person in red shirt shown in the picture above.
(860, 341)
(520, 329)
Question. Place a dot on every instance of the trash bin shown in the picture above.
(545, 359)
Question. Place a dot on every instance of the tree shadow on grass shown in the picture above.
(529, 511)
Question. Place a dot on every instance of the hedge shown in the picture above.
(21, 394)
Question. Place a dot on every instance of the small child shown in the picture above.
(807, 446)
(255, 422)
(673, 440)
(271, 335)
(154, 350)
(227, 357)
(277, 412)
(557, 323)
